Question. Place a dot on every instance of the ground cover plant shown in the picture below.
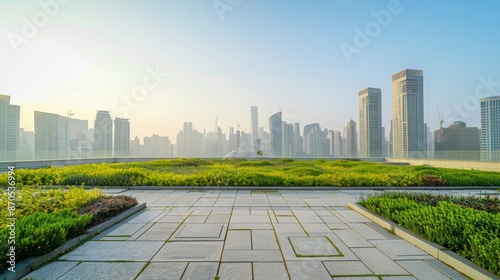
(469, 226)
(46, 218)
(240, 172)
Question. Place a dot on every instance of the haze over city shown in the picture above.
(162, 63)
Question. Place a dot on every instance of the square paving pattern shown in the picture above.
(313, 247)
(245, 234)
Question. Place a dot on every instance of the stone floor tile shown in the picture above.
(248, 219)
(190, 251)
(51, 271)
(366, 231)
(287, 220)
(163, 271)
(125, 229)
(347, 268)
(450, 272)
(422, 270)
(195, 219)
(104, 270)
(240, 271)
(269, 270)
(305, 270)
(313, 247)
(316, 228)
(264, 240)
(250, 226)
(288, 228)
(400, 249)
(238, 239)
(398, 278)
(114, 251)
(352, 238)
(201, 271)
(158, 232)
(252, 256)
(378, 262)
(200, 231)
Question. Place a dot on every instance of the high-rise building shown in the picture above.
(157, 146)
(315, 141)
(122, 137)
(58, 137)
(298, 140)
(351, 139)
(276, 131)
(189, 142)
(490, 128)
(26, 149)
(287, 141)
(136, 149)
(9, 129)
(256, 141)
(254, 110)
(103, 134)
(408, 114)
(337, 144)
(371, 136)
(79, 141)
(457, 142)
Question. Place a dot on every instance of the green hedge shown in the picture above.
(40, 233)
(278, 172)
(472, 233)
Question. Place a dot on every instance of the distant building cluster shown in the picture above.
(65, 137)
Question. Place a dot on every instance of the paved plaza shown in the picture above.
(246, 235)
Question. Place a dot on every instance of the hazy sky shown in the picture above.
(161, 63)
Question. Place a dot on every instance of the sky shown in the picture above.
(162, 63)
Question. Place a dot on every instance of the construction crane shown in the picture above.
(441, 121)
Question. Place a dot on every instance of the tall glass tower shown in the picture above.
(103, 134)
(490, 128)
(370, 123)
(408, 114)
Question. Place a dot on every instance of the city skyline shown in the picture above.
(161, 64)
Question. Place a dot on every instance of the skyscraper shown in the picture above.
(351, 139)
(122, 137)
(337, 144)
(9, 129)
(189, 141)
(408, 114)
(103, 134)
(58, 137)
(276, 128)
(490, 128)
(370, 123)
(256, 142)
(254, 110)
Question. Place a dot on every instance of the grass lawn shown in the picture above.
(240, 172)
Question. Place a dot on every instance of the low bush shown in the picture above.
(472, 233)
(40, 233)
(46, 218)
